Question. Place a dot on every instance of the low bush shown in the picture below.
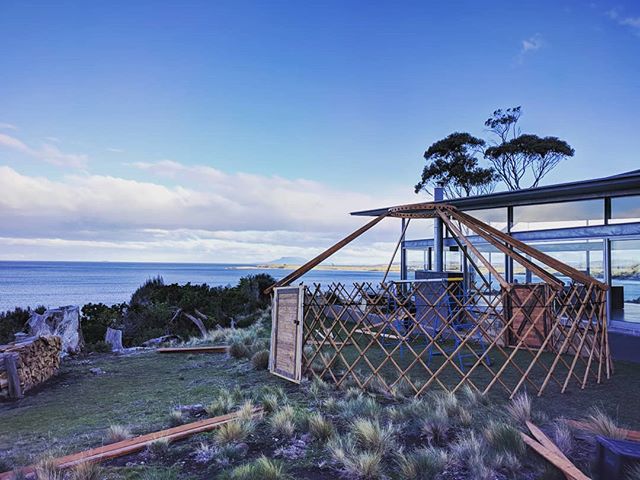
(158, 448)
(320, 427)
(86, 471)
(422, 464)
(234, 432)
(282, 422)
(117, 433)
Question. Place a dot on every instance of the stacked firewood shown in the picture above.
(27, 363)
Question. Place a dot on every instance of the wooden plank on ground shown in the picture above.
(208, 349)
(563, 465)
(547, 442)
(136, 444)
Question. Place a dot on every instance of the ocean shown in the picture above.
(53, 284)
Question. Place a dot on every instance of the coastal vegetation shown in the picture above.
(157, 309)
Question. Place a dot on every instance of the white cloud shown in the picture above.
(115, 150)
(7, 126)
(47, 153)
(625, 20)
(207, 215)
(531, 44)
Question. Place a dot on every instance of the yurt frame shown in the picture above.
(449, 330)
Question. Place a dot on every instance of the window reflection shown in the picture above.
(558, 215)
(625, 209)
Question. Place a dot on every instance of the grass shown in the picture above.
(320, 427)
(371, 436)
(283, 422)
(422, 464)
(261, 469)
(86, 471)
(117, 433)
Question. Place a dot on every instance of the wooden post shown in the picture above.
(11, 367)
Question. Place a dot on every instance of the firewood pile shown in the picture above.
(27, 363)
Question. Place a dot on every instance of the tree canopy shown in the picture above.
(516, 159)
(452, 163)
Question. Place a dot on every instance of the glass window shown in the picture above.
(583, 255)
(625, 209)
(496, 217)
(417, 260)
(625, 280)
(558, 215)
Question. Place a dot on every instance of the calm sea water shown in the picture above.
(54, 284)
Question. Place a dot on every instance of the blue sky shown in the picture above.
(240, 131)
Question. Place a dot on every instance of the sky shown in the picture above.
(245, 131)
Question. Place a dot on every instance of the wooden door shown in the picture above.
(285, 356)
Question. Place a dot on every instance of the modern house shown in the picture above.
(592, 225)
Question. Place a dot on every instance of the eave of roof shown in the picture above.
(623, 184)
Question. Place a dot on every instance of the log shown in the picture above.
(114, 338)
(13, 379)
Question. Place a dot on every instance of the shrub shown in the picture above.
(260, 360)
(422, 464)
(371, 436)
(282, 422)
(520, 408)
(261, 469)
(117, 433)
(12, 322)
(319, 427)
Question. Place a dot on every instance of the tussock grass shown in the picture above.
(320, 427)
(358, 406)
(234, 432)
(436, 428)
(86, 471)
(46, 469)
(520, 408)
(598, 423)
(261, 469)
(369, 435)
(504, 439)
(354, 463)
(158, 448)
(563, 438)
(223, 403)
(245, 413)
(239, 350)
(447, 402)
(260, 360)
(318, 387)
(176, 418)
(282, 422)
(422, 464)
(270, 403)
(117, 433)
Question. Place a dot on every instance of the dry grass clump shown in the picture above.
(260, 360)
(369, 435)
(117, 433)
(358, 406)
(176, 417)
(504, 439)
(234, 432)
(320, 427)
(47, 469)
(224, 403)
(598, 423)
(471, 396)
(158, 448)
(86, 471)
(283, 422)
(446, 402)
(355, 463)
(239, 350)
(261, 469)
(520, 408)
(563, 438)
(436, 427)
(422, 464)
(472, 453)
(318, 387)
